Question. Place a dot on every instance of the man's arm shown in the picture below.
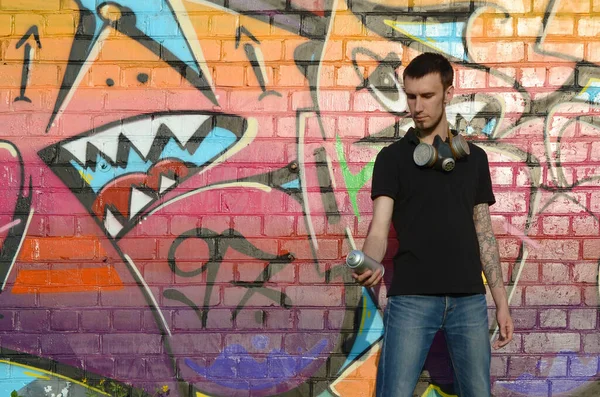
(376, 242)
(490, 261)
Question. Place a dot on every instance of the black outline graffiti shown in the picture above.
(58, 158)
(82, 47)
(218, 244)
(252, 54)
(32, 31)
(11, 244)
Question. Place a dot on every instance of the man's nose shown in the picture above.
(418, 105)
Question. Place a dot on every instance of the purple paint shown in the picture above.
(532, 385)
(236, 362)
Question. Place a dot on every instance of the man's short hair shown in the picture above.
(427, 63)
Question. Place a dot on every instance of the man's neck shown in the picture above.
(427, 136)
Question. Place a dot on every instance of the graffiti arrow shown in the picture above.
(32, 31)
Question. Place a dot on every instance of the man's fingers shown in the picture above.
(368, 278)
(506, 335)
(362, 278)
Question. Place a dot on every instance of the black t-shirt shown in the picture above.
(433, 216)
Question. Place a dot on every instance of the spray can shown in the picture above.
(359, 262)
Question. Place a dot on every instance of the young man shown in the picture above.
(445, 234)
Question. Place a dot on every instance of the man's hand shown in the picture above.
(368, 278)
(505, 326)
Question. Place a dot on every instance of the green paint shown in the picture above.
(354, 182)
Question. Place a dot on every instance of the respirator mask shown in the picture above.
(441, 155)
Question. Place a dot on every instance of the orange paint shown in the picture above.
(36, 249)
(360, 381)
(67, 280)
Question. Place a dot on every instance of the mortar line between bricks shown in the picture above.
(149, 293)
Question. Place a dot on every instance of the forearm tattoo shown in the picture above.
(488, 246)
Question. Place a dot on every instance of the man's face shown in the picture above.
(426, 99)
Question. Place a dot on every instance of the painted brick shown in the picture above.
(62, 320)
(556, 249)
(523, 319)
(471, 78)
(499, 366)
(280, 319)
(551, 342)
(552, 295)
(138, 343)
(130, 368)
(61, 226)
(499, 26)
(581, 319)
(509, 51)
(126, 320)
(115, 100)
(33, 320)
(591, 343)
(510, 201)
(311, 273)
(591, 248)
(30, 5)
(315, 296)
(134, 77)
(553, 318)
(529, 26)
(555, 273)
(59, 24)
(87, 300)
(585, 272)
(365, 102)
(502, 175)
(22, 342)
(6, 24)
(504, 78)
(57, 344)
(128, 296)
(585, 226)
(590, 296)
(311, 319)
(583, 366)
(165, 77)
(533, 77)
(529, 274)
(100, 365)
(95, 320)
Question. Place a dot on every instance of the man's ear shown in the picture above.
(448, 94)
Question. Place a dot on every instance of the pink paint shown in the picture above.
(9, 225)
(510, 229)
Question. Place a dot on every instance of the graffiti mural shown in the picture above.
(182, 179)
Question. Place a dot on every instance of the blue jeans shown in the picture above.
(411, 322)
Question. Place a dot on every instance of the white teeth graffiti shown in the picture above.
(139, 200)
(112, 225)
(140, 133)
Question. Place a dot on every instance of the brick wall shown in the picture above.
(181, 180)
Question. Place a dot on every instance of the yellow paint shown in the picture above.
(86, 177)
(393, 24)
(435, 391)
(34, 375)
(593, 82)
(55, 376)
(362, 320)
(198, 394)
